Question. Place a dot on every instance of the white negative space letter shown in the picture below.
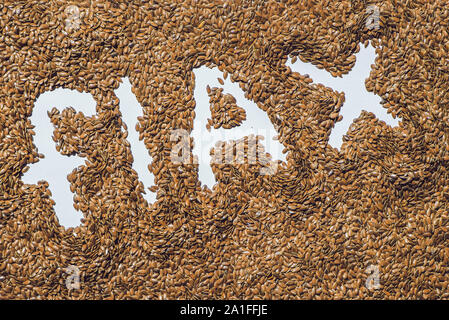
(257, 122)
(55, 167)
(356, 95)
(131, 110)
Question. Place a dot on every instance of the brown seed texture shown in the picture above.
(309, 230)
